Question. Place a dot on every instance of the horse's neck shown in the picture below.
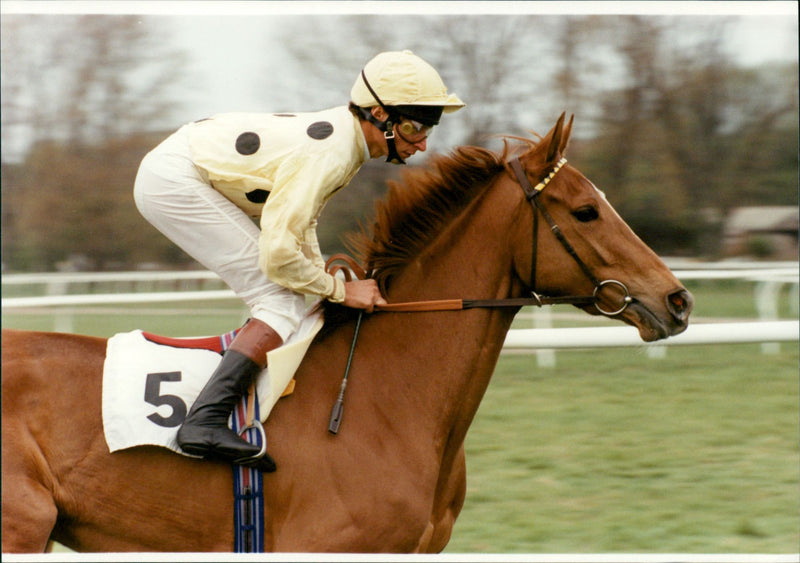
(454, 353)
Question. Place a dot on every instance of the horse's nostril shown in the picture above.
(680, 304)
(677, 301)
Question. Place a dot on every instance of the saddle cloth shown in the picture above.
(148, 388)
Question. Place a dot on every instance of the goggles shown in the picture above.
(413, 131)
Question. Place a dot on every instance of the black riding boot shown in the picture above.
(205, 430)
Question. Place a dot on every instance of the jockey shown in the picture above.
(205, 184)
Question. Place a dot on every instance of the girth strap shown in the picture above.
(248, 485)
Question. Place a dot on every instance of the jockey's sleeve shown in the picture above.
(311, 248)
(289, 252)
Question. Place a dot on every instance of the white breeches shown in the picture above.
(177, 198)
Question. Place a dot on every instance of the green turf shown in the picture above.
(614, 452)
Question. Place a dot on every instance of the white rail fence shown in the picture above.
(769, 280)
(626, 336)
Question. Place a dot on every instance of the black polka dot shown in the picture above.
(247, 143)
(257, 196)
(320, 130)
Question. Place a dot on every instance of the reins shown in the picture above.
(356, 271)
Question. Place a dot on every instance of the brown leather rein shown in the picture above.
(352, 268)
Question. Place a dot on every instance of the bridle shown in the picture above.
(531, 193)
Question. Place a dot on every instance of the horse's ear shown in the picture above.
(565, 136)
(555, 141)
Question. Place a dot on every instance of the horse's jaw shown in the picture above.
(654, 324)
(650, 326)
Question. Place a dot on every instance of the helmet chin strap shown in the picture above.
(386, 126)
(388, 134)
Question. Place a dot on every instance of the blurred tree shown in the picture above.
(83, 78)
(582, 54)
(74, 89)
(762, 126)
(717, 130)
(75, 204)
(689, 133)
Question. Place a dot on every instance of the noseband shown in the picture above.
(531, 193)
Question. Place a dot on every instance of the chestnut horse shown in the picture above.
(394, 478)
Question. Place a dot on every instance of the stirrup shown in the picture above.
(260, 427)
(253, 460)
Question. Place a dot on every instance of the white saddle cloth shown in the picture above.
(148, 388)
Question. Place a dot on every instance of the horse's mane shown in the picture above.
(415, 210)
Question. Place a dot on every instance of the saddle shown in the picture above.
(150, 381)
(216, 344)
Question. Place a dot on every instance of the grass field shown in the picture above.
(614, 452)
(609, 451)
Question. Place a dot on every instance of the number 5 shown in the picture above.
(152, 395)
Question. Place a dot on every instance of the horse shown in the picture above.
(394, 477)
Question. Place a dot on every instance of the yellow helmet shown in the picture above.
(403, 80)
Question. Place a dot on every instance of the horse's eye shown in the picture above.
(585, 214)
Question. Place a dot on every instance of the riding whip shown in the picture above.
(338, 406)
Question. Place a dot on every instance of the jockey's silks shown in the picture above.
(283, 168)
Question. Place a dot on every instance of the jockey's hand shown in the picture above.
(363, 294)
